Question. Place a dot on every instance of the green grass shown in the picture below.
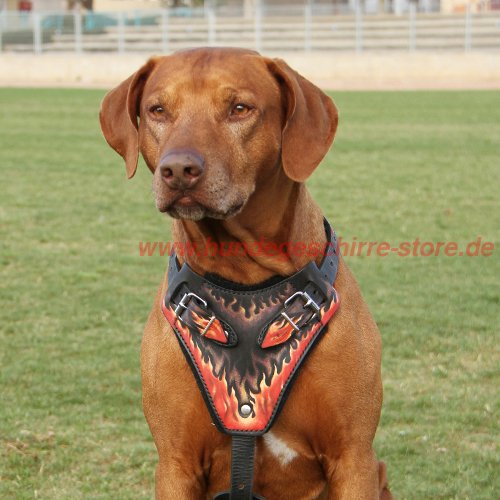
(75, 293)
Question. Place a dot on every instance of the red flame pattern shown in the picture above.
(279, 332)
(266, 399)
(214, 332)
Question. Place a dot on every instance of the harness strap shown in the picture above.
(242, 459)
(245, 346)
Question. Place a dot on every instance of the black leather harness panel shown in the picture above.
(245, 345)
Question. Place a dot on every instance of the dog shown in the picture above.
(230, 137)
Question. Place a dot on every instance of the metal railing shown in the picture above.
(346, 27)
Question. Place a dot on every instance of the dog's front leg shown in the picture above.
(354, 476)
(175, 412)
(174, 482)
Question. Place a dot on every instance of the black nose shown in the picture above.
(181, 169)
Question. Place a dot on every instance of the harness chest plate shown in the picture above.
(245, 345)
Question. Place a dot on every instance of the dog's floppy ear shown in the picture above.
(310, 122)
(118, 116)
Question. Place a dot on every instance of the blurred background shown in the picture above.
(337, 43)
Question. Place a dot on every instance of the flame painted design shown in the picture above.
(246, 373)
(214, 332)
(279, 331)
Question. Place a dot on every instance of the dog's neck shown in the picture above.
(282, 216)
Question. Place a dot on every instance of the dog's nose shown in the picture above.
(181, 169)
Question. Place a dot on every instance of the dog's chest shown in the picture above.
(245, 345)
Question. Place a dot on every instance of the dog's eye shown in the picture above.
(240, 110)
(156, 109)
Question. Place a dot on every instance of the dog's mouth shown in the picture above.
(186, 201)
(186, 206)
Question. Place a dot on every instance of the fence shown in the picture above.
(342, 27)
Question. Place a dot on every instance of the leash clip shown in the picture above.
(308, 302)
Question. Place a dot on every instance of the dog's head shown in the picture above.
(215, 124)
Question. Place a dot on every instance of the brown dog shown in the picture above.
(230, 137)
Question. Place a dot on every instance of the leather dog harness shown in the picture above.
(245, 345)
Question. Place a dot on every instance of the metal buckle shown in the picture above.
(308, 302)
(183, 303)
(209, 324)
(186, 298)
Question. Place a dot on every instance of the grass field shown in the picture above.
(75, 293)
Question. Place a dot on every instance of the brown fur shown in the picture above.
(251, 187)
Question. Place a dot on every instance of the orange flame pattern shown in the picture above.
(214, 332)
(279, 332)
(266, 400)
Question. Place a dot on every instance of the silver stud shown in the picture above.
(246, 410)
